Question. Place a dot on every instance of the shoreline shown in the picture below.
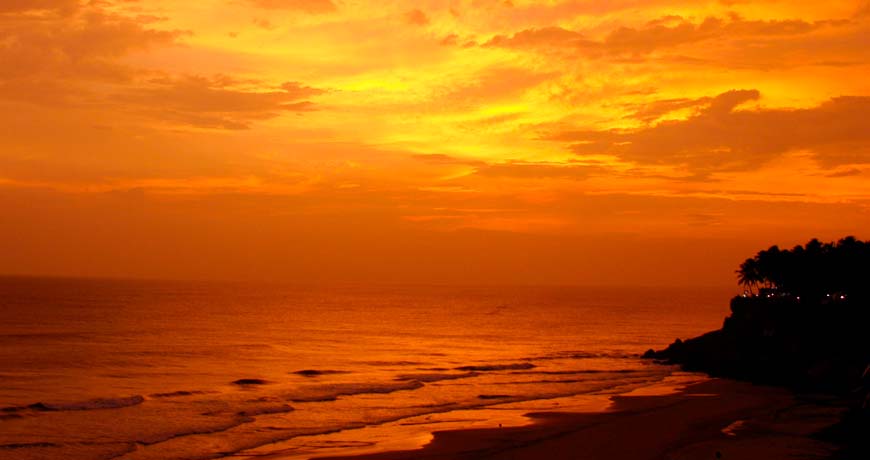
(735, 419)
(415, 432)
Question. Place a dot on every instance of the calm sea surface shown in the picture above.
(97, 369)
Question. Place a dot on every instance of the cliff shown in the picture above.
(815, 346)
(820, 346)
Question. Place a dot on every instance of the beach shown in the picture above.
(736, 419)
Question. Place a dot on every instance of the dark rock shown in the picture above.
(780, 341)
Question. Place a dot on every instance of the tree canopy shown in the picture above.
(812, 271)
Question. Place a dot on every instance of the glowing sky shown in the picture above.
(431, 141)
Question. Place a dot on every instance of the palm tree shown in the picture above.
(811, 271)
(749, 275)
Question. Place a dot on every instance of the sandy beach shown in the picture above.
(736, 419)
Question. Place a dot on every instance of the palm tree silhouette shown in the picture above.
(749, 276)
(815, 270)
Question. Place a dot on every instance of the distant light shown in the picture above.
(842, 297)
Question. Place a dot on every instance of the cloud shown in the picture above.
(495, 83)
(55, 53)
(718, 137)
(851, 172)
(217, 102)
(514, 169)
(70, 54)
(726, 102)
(416, 17)
(307, 6)
(651, 111)
(537, 170)
(83, 45)
(543, 37)
(664, 33)
(442, 159)
(263, 23)
(18, 6)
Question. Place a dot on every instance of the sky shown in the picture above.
(654, 142)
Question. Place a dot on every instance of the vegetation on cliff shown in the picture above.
(803, 323)
(812, 272)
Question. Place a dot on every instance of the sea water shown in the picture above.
(118, 369)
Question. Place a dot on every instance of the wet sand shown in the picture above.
(738, 420)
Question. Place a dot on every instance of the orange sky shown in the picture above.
(460, 141)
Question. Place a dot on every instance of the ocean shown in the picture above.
(122, 369)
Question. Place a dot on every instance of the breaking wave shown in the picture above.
(332, 392)
(497, 367)
(91, 404)
(435, 377)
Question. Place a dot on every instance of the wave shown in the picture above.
(434, 405)
(617, 375)
(174, 394)
(579, 372)
(91, 404)
(496, 367)
(317, 372)
(434, 377)
(263, 432)
(247, 382)
(44, 336)
(189, 431)
(334, 391)
(266, 410)
(584, 355)
(393, 363)
(538, 382)
(28, 445)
